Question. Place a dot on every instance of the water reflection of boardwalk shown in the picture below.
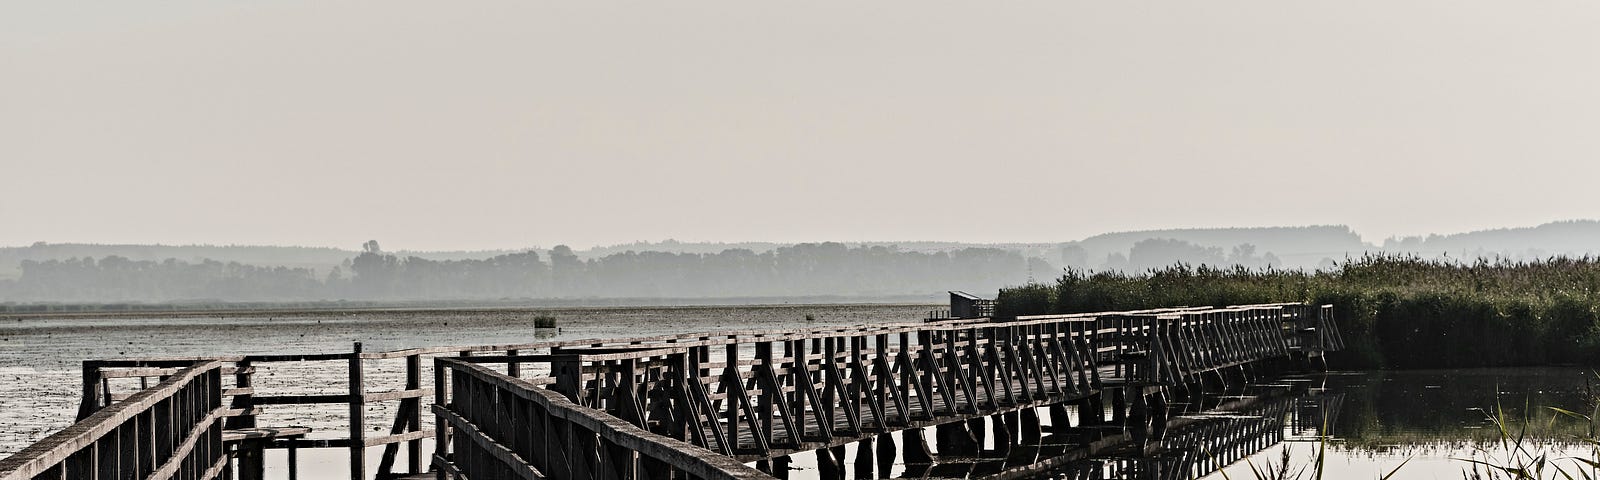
(1195, 444)
(646, 407)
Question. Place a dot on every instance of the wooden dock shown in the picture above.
(672, 406)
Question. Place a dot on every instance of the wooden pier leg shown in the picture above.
(1092, 410)
(294, 462)
(1222, 381)
(915, 448)
(1059, 419)
(839, 453)
(780, 467)
(886, 453)
(513, 369)
(1119, 406)
(977, 428)
(1139, 418)
(1014, 426)
(764, 465)
(828, 467)
(1002, 435)
(358, 410)
(1030, 426)
(864, 458)
(251, 464)
(954, 439)
(1158, 415)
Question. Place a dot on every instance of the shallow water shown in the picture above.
(40, 358)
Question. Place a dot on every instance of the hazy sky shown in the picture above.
(441, 125)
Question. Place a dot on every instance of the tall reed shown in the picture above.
(1395, 311)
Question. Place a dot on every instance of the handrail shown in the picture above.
(174, 427)
(669, 339)
(533, 434)
(1164, 346)
(714, 338)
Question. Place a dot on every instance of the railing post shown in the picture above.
(764, 403)
(568, 373)
(252, 464)
(796, 350)
(358, 410)
(441, 426)
(91, 390)
(414, 382)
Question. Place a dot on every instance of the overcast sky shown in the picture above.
(446, 125)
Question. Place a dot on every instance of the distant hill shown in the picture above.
(1294, 247)
(1569, 238)
(298, 270)
(320, 259)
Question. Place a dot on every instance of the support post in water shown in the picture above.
(916, 446)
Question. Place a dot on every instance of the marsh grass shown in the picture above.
(1314, 470)
(1394, 311)
(1521, 455)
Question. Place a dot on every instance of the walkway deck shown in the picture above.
(619, 408)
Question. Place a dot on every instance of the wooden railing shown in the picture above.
(502, 427)
(110, 382)
(171, 430)
(759, 395)
(754, 395)
(246, 403)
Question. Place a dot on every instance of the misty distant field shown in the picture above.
(40, 358)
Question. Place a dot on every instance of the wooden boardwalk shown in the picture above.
(765, 395)
(626, 408)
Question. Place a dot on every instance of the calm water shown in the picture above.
(1434, 419)
(1374, 420)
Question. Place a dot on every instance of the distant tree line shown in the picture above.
(813, 269)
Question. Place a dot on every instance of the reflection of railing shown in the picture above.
(506, 427)
(1198, 445)
(171, 430)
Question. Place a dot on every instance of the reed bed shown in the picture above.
(1395, 311)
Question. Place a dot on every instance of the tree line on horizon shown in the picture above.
(813, 269)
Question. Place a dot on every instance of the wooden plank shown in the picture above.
(302, 399)
(397, 438)
(234, 435)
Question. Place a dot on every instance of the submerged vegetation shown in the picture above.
(1395, 311)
